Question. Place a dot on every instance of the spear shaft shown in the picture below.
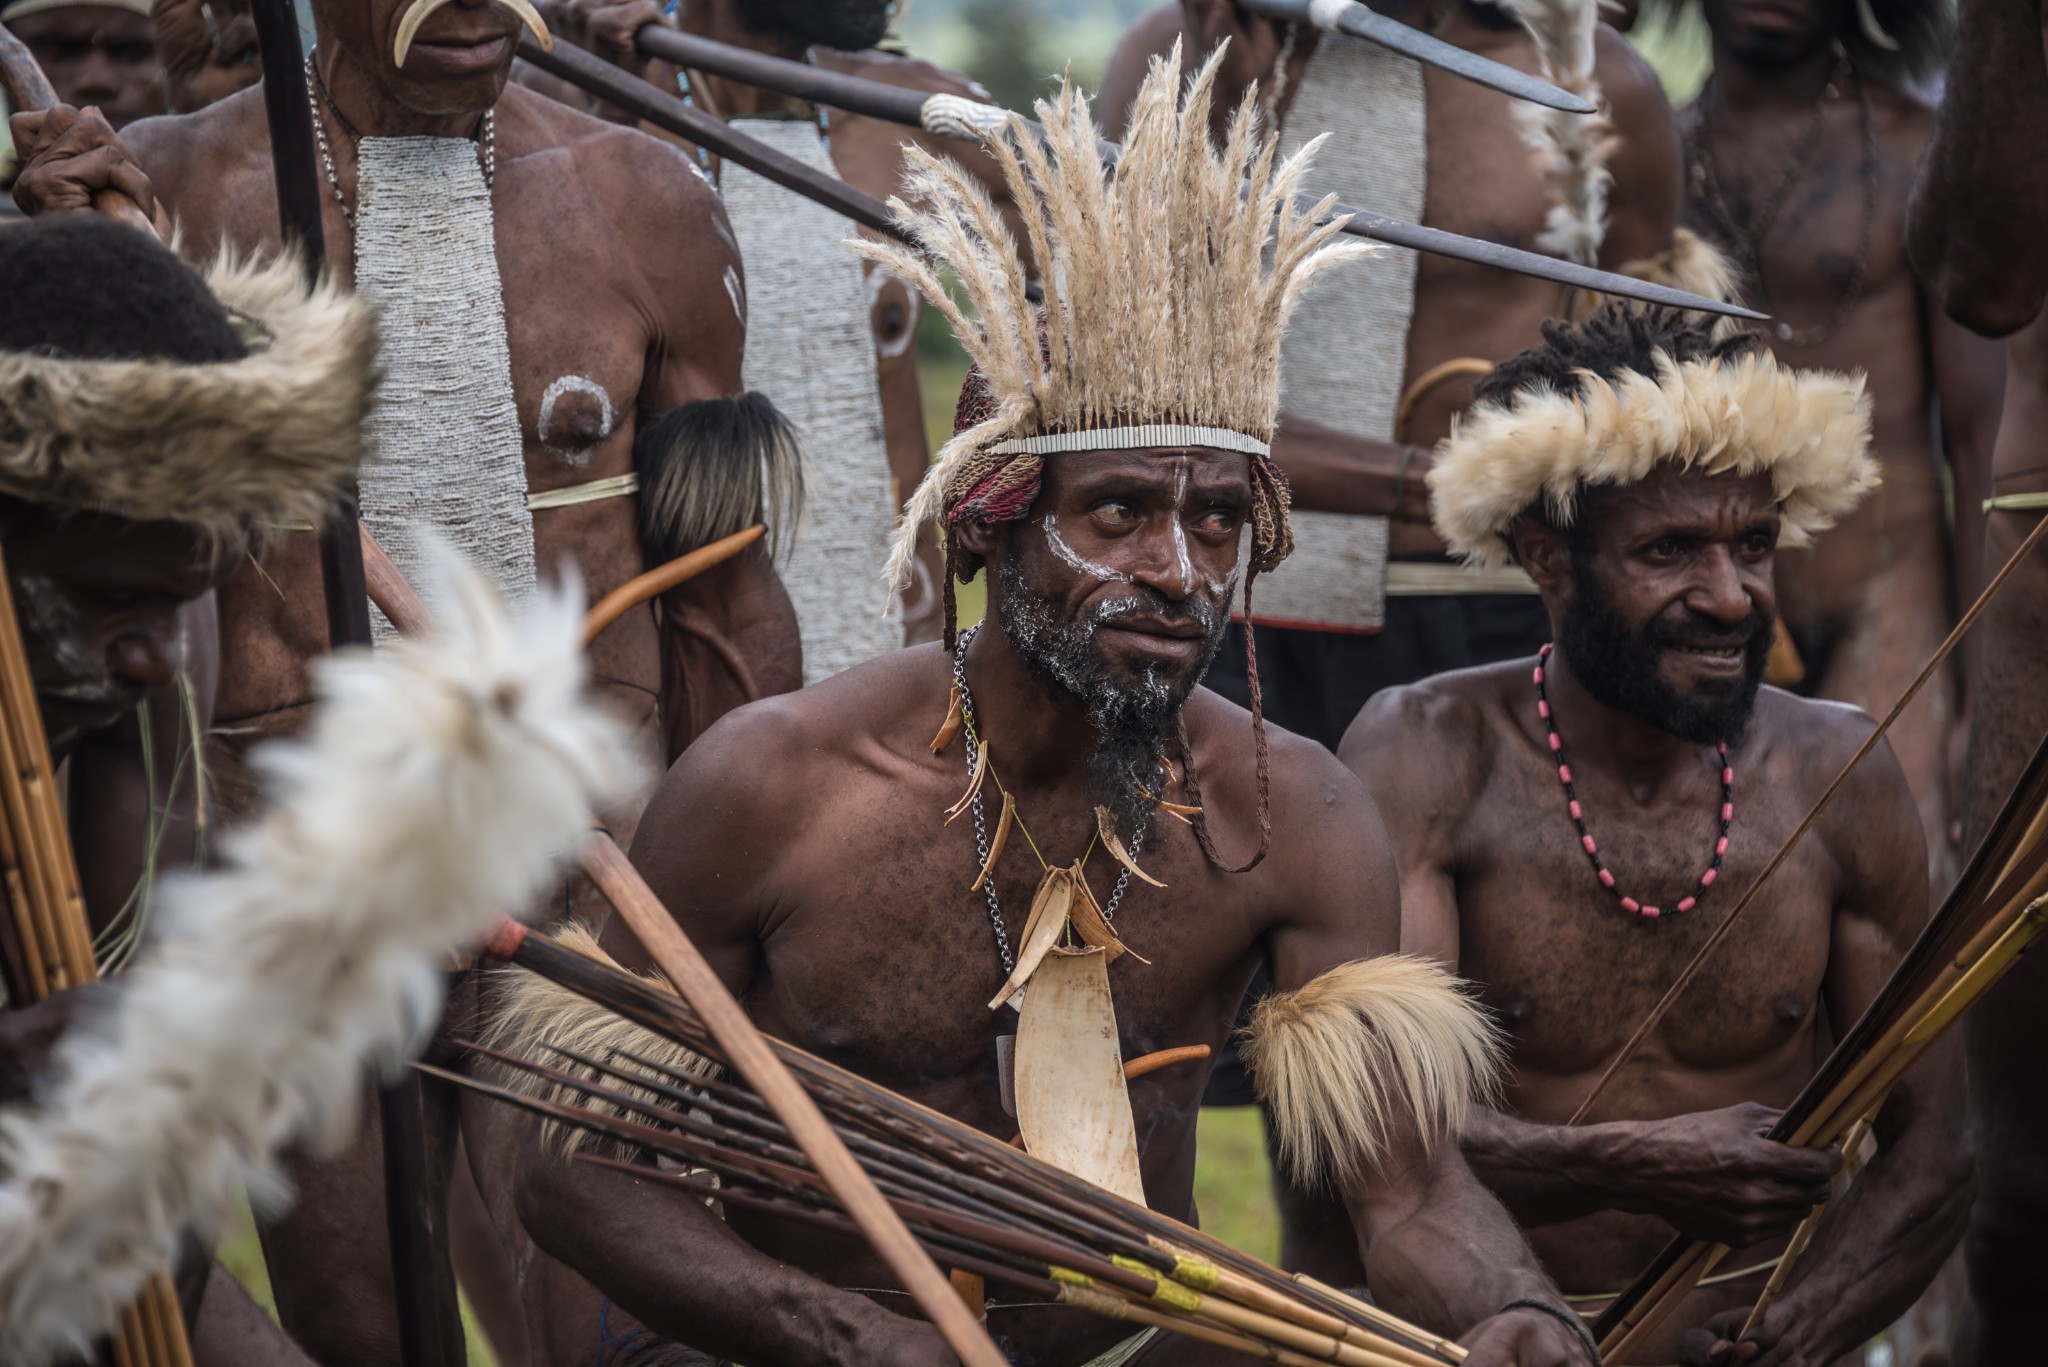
(953, 117)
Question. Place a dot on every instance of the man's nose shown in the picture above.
(94, 78)
(148, 657)
(1720, 591)
(1162, 560)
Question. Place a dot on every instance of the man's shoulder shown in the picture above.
(1462, 705)
(1627, 79)
(169, 146)
(1811, 731)
(631, 172)
(902, 70)
(863, 706)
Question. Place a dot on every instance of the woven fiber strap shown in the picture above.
(445, 449)
(591, 491)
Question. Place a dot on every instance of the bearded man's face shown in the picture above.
(1116, 592)
(848, 25)
(1672, 604)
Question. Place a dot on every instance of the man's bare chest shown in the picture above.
(1570, 972)
(882, 956)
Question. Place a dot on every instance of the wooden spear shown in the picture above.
(950, 116)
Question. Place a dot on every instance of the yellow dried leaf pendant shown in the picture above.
(973, 785)
(949, 728)
(1091, 927)
(1049, 910)
(995, 846)
(1105, 825)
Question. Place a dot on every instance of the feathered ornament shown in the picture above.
(435, 785)
(1570, 150)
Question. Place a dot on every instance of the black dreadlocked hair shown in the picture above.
(56, 275)
(1924, 30)
(1618, 337)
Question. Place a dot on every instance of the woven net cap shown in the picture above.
(1167, 284)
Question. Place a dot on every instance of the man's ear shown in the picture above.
(1543, 554)
(978, 540)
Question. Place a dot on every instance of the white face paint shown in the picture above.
(732, 292)
(574, 445)
(1180, 534)
(1074, 559)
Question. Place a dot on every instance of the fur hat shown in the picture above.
(1167, 286)
(264, 438)
(1808, 429)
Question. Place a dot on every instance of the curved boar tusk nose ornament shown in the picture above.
(416, 14)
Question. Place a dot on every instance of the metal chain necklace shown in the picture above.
(1747, 238)
(1592, 848)
(971, 735)
(317, 95)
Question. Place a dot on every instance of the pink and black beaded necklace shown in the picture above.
(1592, 848)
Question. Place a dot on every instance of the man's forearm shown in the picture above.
(1450, 1257)
(677, 1268)
(1544, 1173)
(1338, 472)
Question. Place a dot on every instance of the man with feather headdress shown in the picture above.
(1800, 155)
(1111, 469)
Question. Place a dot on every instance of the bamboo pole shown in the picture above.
(48, 906)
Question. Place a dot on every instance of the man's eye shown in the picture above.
(1665, 548)
(1217, 520)
(1757, 545)
(1115, 512)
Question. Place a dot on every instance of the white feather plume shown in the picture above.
(438, 782)
(1570, 150)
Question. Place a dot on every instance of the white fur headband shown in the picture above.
(1809, 430)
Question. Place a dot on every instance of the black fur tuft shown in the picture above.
(713, 467)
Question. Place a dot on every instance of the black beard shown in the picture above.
(1618, 665)
(848, 25)
(1130, 724)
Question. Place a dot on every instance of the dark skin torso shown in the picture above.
(1495, 882)
(1480, 184)
(1881, 585)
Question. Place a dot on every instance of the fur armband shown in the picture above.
(530, 1016)
(713, 467)
(1365, 1042)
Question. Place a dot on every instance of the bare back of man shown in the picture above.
(1801, 169)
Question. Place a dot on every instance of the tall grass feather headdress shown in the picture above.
(1167, 283)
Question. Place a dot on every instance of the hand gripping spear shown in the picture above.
(415, 1193)
(950, 116)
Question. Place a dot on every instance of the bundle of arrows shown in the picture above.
(980, 1206)
(1994, 913)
